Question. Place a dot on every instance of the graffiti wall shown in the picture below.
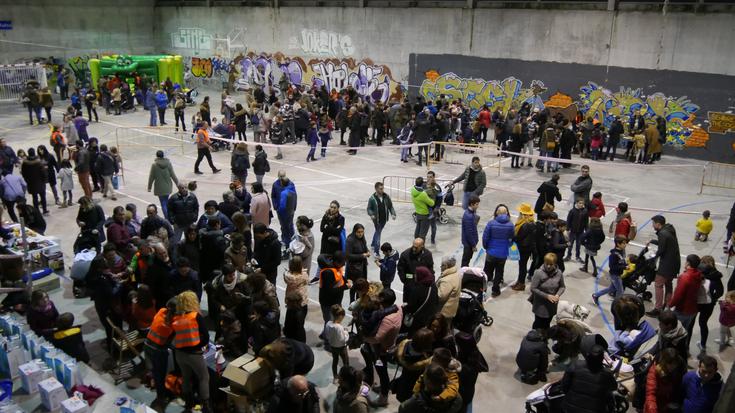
(313, 42)
(682, 99)
(265, 70)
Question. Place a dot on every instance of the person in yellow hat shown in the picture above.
(525, 239)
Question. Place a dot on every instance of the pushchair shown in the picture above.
(643, 275)
(128, 101)
(471, 314)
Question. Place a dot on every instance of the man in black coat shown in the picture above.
(614, 133)
(153, 222)
(669, 262)
(183, 210)
(267, 251)
(212, 246)
(588, 386)
(416, 256)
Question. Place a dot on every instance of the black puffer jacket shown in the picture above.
(587, 391)
(533, 350)
(183, 210)
(668, 251)
(268, 254)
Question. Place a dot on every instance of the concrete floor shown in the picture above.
(672, 185)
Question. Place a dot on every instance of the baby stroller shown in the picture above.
(643, 275)
(128, 101)
(471, 314)
(549, 398)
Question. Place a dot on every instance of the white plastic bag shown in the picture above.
(82, 262)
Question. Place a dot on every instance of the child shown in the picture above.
(704, 227)
(387, 264)
(727, 319)
(66, 176)
(630, 265)
(231, 340)
(337, 336)
(69, 338)
(639, 145)
(596, 208)
(533, 358)
(443, 358)
(592, 241)
(595, 144)
(312, 139)
(325, 136)
(293, 325)
(617, 266)
(404, 138)
(264, 326)
(304, 235)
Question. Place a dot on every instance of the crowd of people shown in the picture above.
(151, 272)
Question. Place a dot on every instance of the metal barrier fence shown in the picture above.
(718, 175)
(398, 188)
(139, 138)
(13, 79)
(456, 153)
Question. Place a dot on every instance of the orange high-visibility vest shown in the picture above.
(338, 277)
(202, 136)
(57, 138)
(186, 330)
(160, 331)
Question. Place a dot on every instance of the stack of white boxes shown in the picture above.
(52, 393)
(74, 405)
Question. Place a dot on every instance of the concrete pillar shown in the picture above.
(612, 5)
(471, 4)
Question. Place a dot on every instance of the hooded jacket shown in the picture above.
(498, 236)
(239, 162)
(34, 173)
(479, 180)
(284, 197)
(700, 397)
(260, 163)
(548, 192)
(268, 253)
(449, 287)
(532, 352)
(423, 299)
(587, 391)
(684, 298)
(160, 177)
(668, 251)
(421, 201)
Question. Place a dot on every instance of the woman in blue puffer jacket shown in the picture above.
(497, 239)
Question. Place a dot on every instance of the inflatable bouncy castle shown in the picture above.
(157, 68)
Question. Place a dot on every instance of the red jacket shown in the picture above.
(660, 391)
(599, 210)
(484, 118)
(685, 294)
(623, 227)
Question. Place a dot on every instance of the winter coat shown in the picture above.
(260, 163)
(577, 220)
(106, 165)
(593, 239)
(13, 187)
(617, 263)
(712, 288)
(66, 176)
(183, 210)
(34, 173)
(498, 236)
(596, 208)
(700, 397)
(268, 253)
(349, 403)
(421, 201)
(226, 224)
(543, 285)
(661, 390)
(531, 353)
(239, 162)
(548, 192)
(480, 181)
(51, 167)
(356, 262)
(581, 188)
(260, 207)
(329, 292)
(82, 160)
(654, 146)
(331, 227)
(284, 197)
(449, 287)
(668, 251)
(684, 298)
(470, 219)
(407, 264)
(422, 313)
(587, 391)
(387, 205)
(160, 177)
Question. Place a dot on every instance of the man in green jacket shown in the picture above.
(378, 208)
(160, 178)
(421, 203)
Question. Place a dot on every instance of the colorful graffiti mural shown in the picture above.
(594, 100)
(265, 70)
(497, 94)
(314, 42)
(603, 105)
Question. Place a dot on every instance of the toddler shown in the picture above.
(704, 227)
(405, 138)
(66, 176)
(387, 264)
(630, 265)
(337, 336)
(639, 142)
(727, 319)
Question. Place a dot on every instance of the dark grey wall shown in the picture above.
(708, 91)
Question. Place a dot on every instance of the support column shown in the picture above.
(612, 5)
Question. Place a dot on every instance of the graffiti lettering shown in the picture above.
(213, 66)
(192, 39)
(324, 43)
(720, 122)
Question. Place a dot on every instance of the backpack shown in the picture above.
(254, 119)
(633, 231)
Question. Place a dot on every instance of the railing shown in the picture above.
(165, 139)
(13, 79)
(455, 153)
(718, 175)
(398, 188)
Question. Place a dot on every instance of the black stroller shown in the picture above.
(471, 314)
(128, 100)
(643, 275)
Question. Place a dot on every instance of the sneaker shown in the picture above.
(518, 287)
(199, 172)
(216, 171)
(567, 258)
(584, 269)
(653, 313)
(595, 299)
(114, 198)
(380, 401)
(580, 260)
(314, 280)
(495, 293)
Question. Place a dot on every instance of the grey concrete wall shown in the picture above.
(71, 28)
(645, 40)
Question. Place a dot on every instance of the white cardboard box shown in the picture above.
(52, 393)
(30, 376)
(74, 405)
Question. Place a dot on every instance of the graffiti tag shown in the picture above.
(191, 38)
(720, 122)
(324, 43)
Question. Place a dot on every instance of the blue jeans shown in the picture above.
(574, 238)
(154, 116)
(376, 236)
(163, 199)
(287, 229)
(466, 199)
(616, 287)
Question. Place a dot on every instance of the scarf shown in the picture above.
(673, 336)
(231, 286)
(522, 219)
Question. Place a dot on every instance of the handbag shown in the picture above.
(354, 341)
(115, 182)
(547, 206)
(408, 318)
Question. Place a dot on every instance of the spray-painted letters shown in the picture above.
(323, 43)
(192, 39)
